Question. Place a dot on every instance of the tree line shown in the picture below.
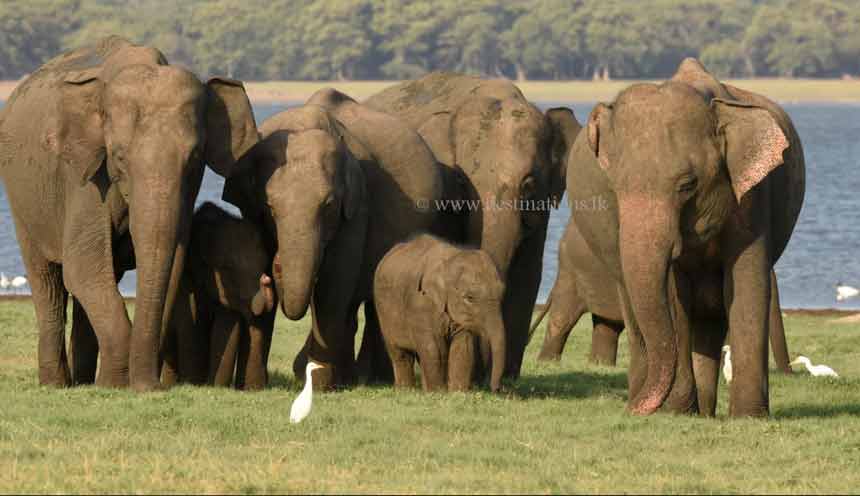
(400, 39)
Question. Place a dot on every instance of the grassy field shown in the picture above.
(560, 428)
(782, 90)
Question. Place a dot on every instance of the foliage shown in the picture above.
(395, 39)
(561, 428)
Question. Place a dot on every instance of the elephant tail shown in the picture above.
(540, 317)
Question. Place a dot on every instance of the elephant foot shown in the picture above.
(548, 356)
(140, 386)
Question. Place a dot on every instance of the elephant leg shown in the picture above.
(99, 296)
(192, 340)
(682, 396)
(777, 329)
(334, 305)
(564, 313)
(403, 363)
(83, 347)
(251, 373)
(708, 339)
(169, 356)
(461, 361)
(49, 300)
(373, 360)
(604, 340)
(226, 333)
(434, 364)
(521, 290)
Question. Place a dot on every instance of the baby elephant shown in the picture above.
(224, 313)
(433, 300)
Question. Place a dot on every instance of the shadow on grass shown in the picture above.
(281, 380)
(818, 411)
(570, 385)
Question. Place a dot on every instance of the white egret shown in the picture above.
(4, 281)
(302, 405)
(727, 364)
(815, 370)
(844, 292)
(19, 282)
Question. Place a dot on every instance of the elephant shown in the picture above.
(391, 192)
(102, 151)
(429, 294)
(224, 313)
(581, 286)
(703, 183)
(513, 159)
(303, 185)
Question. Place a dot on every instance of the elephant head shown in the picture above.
(468, 289)
(130, 119)
(514, 157)
(301, 182)
(680, 157)
(230, 262)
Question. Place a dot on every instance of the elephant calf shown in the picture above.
(433, 299)
(224, 313)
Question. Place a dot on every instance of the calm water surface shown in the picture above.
(824, 249)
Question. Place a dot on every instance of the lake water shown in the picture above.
(824, 249)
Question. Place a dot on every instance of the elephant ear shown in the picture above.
(354, 198)
(80, 140)
(240, 188)
(230, 126)
(565, 128)
(431, 284)
(596, 129)
(436, 132)
(754, 143)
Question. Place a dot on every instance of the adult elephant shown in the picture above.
(102, 152)
(580, 286)
(513, 158)
(704, 183)
(319, 261)
(304, 186)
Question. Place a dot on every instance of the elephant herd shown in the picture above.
(426, 205)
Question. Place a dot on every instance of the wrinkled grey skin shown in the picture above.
(304, 185)
(102, 152)
(581, 286)
(225, 307)
(704, 183)
(432, 298)
(513, 160)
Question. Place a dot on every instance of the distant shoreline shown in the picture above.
(781, 90)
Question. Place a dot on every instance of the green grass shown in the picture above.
(560, 428)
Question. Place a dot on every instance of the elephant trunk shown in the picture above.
(501, 232)
(496, 335)
(264, 300)
(296, 266)
(155, 215)
(648, 241)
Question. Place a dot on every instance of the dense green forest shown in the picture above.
(396, 39)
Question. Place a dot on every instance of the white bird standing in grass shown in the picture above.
(727, 364)
(19, 282)
(4, 282)
(302, 405)
(844, 292)
(815, 370)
